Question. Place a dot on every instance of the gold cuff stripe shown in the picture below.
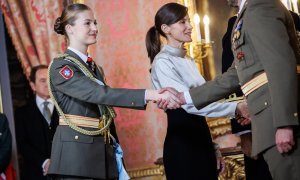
(257, 82)
(254, 84)
(82, 121)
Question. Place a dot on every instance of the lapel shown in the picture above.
(39, 115)
(54, 118)
(41, 123)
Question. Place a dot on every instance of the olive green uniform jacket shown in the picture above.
(266, 42)
(85, 156)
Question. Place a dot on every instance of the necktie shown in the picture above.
(46, 112)
(91, 64)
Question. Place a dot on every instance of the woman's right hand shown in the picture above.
(165, 99)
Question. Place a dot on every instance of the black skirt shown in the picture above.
(188, 148)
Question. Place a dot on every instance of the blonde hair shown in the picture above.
(68, 16)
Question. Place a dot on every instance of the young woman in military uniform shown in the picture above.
(82, 146)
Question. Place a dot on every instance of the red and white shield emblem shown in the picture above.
(66, 72)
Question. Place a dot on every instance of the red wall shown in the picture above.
(121, 51)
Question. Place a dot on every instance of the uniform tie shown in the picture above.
(47, 112)
(91, 63)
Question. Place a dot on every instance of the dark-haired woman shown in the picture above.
(189, 152)
(83, 143)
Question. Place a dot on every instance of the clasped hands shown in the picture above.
(165, 98)
(242, 113)
(170, 98)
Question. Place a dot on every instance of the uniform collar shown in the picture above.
(82, 56)
(242, 6)
(180, 52)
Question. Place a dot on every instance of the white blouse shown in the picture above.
(172, 68)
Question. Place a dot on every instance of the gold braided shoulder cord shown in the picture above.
(107, 116)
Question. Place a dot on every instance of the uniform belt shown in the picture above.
(254, 84)
(82, 121)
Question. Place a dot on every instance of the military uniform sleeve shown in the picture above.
(271, 44)
(81, 87)
(164, 75)
(221, 87)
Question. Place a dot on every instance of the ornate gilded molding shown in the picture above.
(234, 167)
(156, 170)
(219, 126)
(234, 164)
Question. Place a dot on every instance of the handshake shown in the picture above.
(166, 98)
(170, 98)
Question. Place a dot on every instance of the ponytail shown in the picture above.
(168, 14)
(153, 43)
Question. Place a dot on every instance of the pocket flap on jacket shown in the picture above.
(259, 104)
(71, 135)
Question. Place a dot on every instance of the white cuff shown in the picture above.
(188, 98)
(233, 112)
(44, 163)
(242, 132)
(217, 150)
(145, 101)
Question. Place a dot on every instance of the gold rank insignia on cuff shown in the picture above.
(66, 72)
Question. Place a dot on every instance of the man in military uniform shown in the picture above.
(266, 55)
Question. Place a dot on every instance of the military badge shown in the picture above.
(66, 72)
(240, 55)
(239, 26)
(237, 31)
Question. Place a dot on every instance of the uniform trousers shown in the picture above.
(284, 166)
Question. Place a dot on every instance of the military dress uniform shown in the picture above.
(266, 55)
(81, 99)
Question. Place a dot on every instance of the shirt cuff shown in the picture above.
(44, 163)
(188, 98)
(233, 106)
(217, 150)
(145, 101)
(242, 132)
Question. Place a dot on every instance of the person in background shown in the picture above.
(85, 145)
(5, 145)
(189, 152)
(36, 123)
